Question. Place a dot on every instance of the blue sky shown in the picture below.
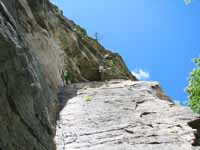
(156, 37)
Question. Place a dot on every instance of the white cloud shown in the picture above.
(141, 74)
(181, 102)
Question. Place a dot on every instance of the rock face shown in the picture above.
(123, 115)
(37, 44)
(28, 106)
(60, 45)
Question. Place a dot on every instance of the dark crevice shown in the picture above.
(153, 135)
(138, 103)
(146, 113)
(158, 143)
(129, 131)
(149, 125)
(196, 125)
(155, 143)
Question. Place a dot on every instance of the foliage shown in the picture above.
(88, 98)
(193, 88)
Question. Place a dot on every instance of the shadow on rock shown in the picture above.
(196, 125)
(64, 94)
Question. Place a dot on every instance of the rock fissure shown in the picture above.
(146, 113)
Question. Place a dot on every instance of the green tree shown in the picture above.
(193, 88)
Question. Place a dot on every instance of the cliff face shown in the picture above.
(61, 45)
(37, 44)
(28, 105)
(124, 115)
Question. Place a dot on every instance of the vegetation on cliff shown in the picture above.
(193, 88)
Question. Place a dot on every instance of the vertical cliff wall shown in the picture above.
(27, 104)
(37, 44)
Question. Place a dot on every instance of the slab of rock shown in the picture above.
(123, 115)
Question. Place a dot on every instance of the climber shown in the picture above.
(67, 78)
(101, 71)
(107, 56)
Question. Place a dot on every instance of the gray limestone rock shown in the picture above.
(123, 115)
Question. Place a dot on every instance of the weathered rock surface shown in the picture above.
(123, 115)
(28, 106)
(37, 44)
(59, 44)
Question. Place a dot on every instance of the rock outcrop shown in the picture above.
(124, 115)
(28, 106)
(37, 44)
(59, 45)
